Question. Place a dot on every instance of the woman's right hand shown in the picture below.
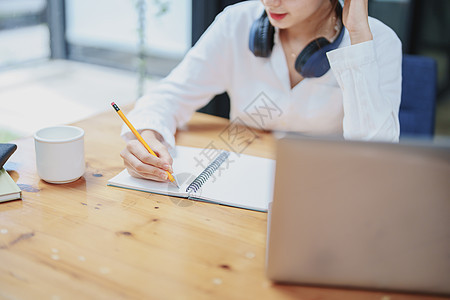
(142, 164)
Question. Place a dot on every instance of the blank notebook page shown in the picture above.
(243, 181)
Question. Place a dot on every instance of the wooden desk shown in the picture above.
(87, 240)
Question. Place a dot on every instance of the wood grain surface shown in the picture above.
(86, 240)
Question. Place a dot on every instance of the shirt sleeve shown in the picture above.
(203, 73)
(369, 75)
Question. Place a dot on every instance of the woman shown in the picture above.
(358, 97)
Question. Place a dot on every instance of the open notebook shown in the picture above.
(223, 177)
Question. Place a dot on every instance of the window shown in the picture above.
(24, 33)
(107, 32)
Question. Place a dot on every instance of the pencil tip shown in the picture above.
(175, 182)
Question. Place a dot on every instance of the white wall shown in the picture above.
(113, 24)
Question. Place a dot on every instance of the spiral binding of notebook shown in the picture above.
(208, 172)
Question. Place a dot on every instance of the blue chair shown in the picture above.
(418, 101)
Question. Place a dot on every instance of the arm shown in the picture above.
(355, 16)
(192, 84)
(369, 74)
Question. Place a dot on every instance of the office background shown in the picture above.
(144, 39)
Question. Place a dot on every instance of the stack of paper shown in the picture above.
(8, 188)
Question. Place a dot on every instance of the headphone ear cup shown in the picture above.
(307, 61)
(313, 61)
(261, 37)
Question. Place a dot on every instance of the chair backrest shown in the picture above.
(418, 102)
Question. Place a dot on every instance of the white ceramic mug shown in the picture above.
(60, 153)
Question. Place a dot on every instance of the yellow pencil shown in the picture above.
(139, 137)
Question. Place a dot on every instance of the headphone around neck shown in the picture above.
(312, 60)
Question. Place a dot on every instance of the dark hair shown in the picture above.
(334, 4)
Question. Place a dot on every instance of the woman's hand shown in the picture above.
(355, 16)
(140, 163)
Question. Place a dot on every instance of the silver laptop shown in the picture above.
(361, 214)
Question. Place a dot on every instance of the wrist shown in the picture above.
(360, 36)
(150, 133)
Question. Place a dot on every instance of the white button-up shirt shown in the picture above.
(359, 97)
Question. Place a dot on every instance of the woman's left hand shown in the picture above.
(355, 16)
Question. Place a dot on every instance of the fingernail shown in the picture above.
(164, 175)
